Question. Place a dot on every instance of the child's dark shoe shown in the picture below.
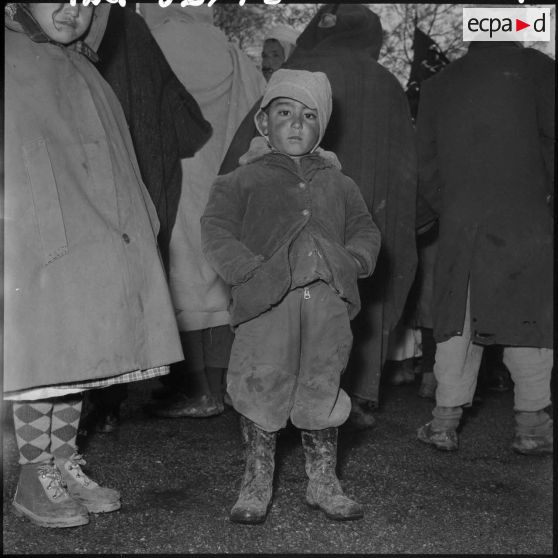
(42, 497)
(401, 372)
(97, 499)
(189, 407)
(361, 414)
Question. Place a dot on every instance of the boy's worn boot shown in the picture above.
(95, 498)
(533, 433)
(257, 484)
(42, 497)
(324, 490)
(441, 432)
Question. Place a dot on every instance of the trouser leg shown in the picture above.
(530, 369)
(455, 369)
(325, 343)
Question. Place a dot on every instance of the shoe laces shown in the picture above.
(56, 485)
(75, 461)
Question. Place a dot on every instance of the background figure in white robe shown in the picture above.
(226, 84)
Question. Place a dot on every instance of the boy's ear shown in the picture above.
(263, 121)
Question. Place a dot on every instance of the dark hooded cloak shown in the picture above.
(166, 122)
(486, 144)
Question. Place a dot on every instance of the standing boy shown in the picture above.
(291, 234)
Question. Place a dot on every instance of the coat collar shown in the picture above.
(19, 18)
(306, 166)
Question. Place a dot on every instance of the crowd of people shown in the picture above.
(270, 240)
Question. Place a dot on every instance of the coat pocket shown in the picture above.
(48, 212)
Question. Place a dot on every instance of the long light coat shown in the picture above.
(85, 294)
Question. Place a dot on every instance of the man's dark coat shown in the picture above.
(486, 155)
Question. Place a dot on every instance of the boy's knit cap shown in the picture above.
(309, 88)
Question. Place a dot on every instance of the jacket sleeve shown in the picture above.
(362, 236)
(429, 195)
(221, 226)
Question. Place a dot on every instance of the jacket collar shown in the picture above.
(306, 166)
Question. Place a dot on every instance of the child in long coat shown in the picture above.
(85, 296)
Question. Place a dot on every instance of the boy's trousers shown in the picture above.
(458, 361)
(287, 362)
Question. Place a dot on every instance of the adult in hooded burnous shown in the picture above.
(486, 152)
(225, 83)
(371, 133)
(85, 295)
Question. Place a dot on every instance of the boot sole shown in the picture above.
(243, 521)
(438, 446)
(247, 521)
(333, 516)
(101, 508)
(535, 451)
(20, 511)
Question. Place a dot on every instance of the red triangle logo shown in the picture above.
(519, 25)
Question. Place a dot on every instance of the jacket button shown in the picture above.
(302, 185)
(126, 238)
(305, 212)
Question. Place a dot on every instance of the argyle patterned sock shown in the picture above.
(32, 421)
(66, 413)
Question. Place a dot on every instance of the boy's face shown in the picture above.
(62, 22)
(292, 127)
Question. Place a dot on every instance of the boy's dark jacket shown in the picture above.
(254, 214)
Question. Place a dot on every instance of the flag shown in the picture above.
(428, 59)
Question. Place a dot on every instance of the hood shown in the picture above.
(285, 35)
(155, 15)
(343, 26)
(92, 38)
(96, 31)
(310, 88)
